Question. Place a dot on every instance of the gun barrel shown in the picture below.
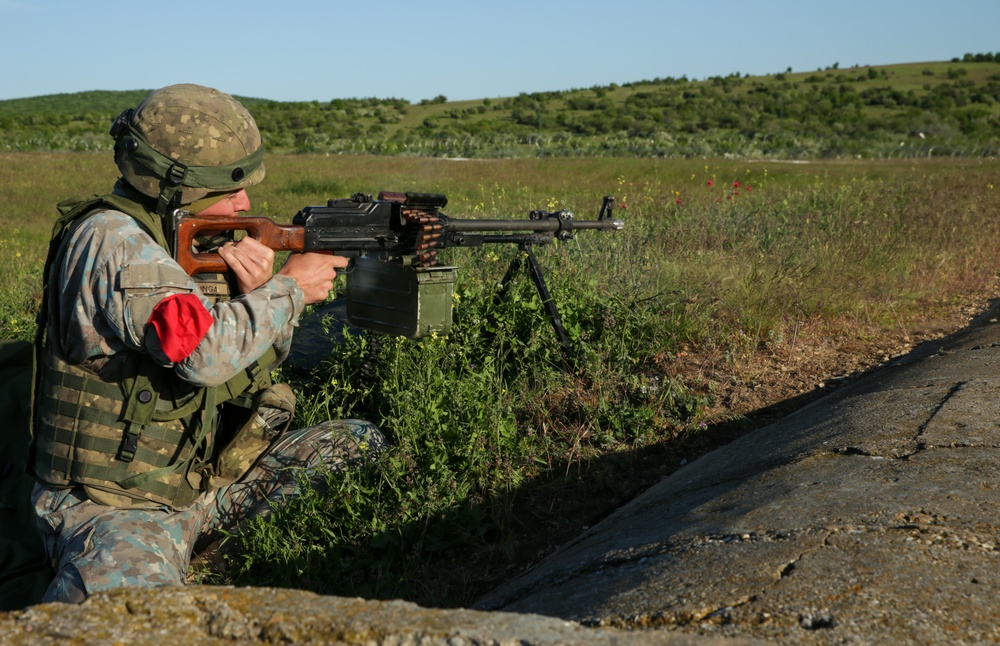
(545, 225)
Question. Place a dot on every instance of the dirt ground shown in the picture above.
(813, 361)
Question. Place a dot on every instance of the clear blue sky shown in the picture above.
(464, 49)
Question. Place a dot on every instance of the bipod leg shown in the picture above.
(543, 293)
(550, 305)
(512, 269)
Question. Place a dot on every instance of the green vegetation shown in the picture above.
(910, 110)
(728, 276)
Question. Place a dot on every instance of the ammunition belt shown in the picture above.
(430, 235)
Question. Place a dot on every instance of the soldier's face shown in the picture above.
(230, 205)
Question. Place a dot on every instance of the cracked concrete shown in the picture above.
(870, 515)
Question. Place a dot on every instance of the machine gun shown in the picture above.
(394, 282)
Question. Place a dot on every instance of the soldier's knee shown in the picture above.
(350, 442)
(368, 436)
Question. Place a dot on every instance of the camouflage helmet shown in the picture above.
(184, 142)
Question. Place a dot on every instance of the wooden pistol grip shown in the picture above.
(278, 237)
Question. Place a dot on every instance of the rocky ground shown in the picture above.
(226, 616)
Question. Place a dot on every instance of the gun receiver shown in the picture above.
(407, 229)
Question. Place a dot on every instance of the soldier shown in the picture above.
(156, 423)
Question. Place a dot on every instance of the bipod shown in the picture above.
(535, 271)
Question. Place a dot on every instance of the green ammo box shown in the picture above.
(394, 299)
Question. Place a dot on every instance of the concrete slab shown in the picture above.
(870, 515)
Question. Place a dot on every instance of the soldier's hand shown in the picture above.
(251, 262)
(314, 272)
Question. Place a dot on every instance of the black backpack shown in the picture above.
(25, 572)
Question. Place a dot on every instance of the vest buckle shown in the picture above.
(129, 445)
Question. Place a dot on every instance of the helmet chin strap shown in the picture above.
(169, 198)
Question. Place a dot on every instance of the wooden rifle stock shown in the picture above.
(280, 237)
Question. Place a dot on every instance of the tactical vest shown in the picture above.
(135, 434)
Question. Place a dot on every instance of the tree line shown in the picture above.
(915, 109)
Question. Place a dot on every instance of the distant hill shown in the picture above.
(925, 109)
(72, 105)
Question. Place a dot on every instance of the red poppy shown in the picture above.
(623, 205)
(679, 201)
(736, 184)
(710, 184)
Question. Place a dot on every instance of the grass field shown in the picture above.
(735, 285)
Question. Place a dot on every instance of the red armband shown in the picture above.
(181, 322)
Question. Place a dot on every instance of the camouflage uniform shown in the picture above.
(100, 315)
